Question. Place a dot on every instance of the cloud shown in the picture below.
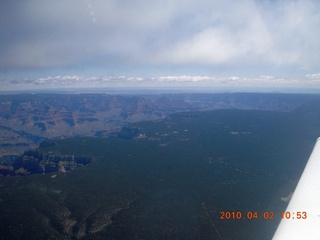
(281, 33)
(51, 81)
(236, 31)
(183, 79)
(43, 34)
(189, 83)
(164, 81)
(313, 76)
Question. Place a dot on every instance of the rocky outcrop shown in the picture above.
(36, 162)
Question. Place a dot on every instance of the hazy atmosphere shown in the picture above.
(236, 45)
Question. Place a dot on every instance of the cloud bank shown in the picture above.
(184, 83)
(73, 33)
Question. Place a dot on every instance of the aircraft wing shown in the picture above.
(301, 220)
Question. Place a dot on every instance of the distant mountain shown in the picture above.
(28, 119)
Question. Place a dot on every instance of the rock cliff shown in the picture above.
(35, 162)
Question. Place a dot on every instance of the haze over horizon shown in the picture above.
(211, 45)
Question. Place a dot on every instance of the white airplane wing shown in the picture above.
(301, 220)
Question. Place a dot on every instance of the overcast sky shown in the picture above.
(215, 43)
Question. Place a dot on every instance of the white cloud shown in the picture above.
(191, 82)
(282, 33)
(210, 46)
(237, 36)
(313, 76)
(58, 80)
(183, 79)
(266, 77)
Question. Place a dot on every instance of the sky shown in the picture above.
(231, 45)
